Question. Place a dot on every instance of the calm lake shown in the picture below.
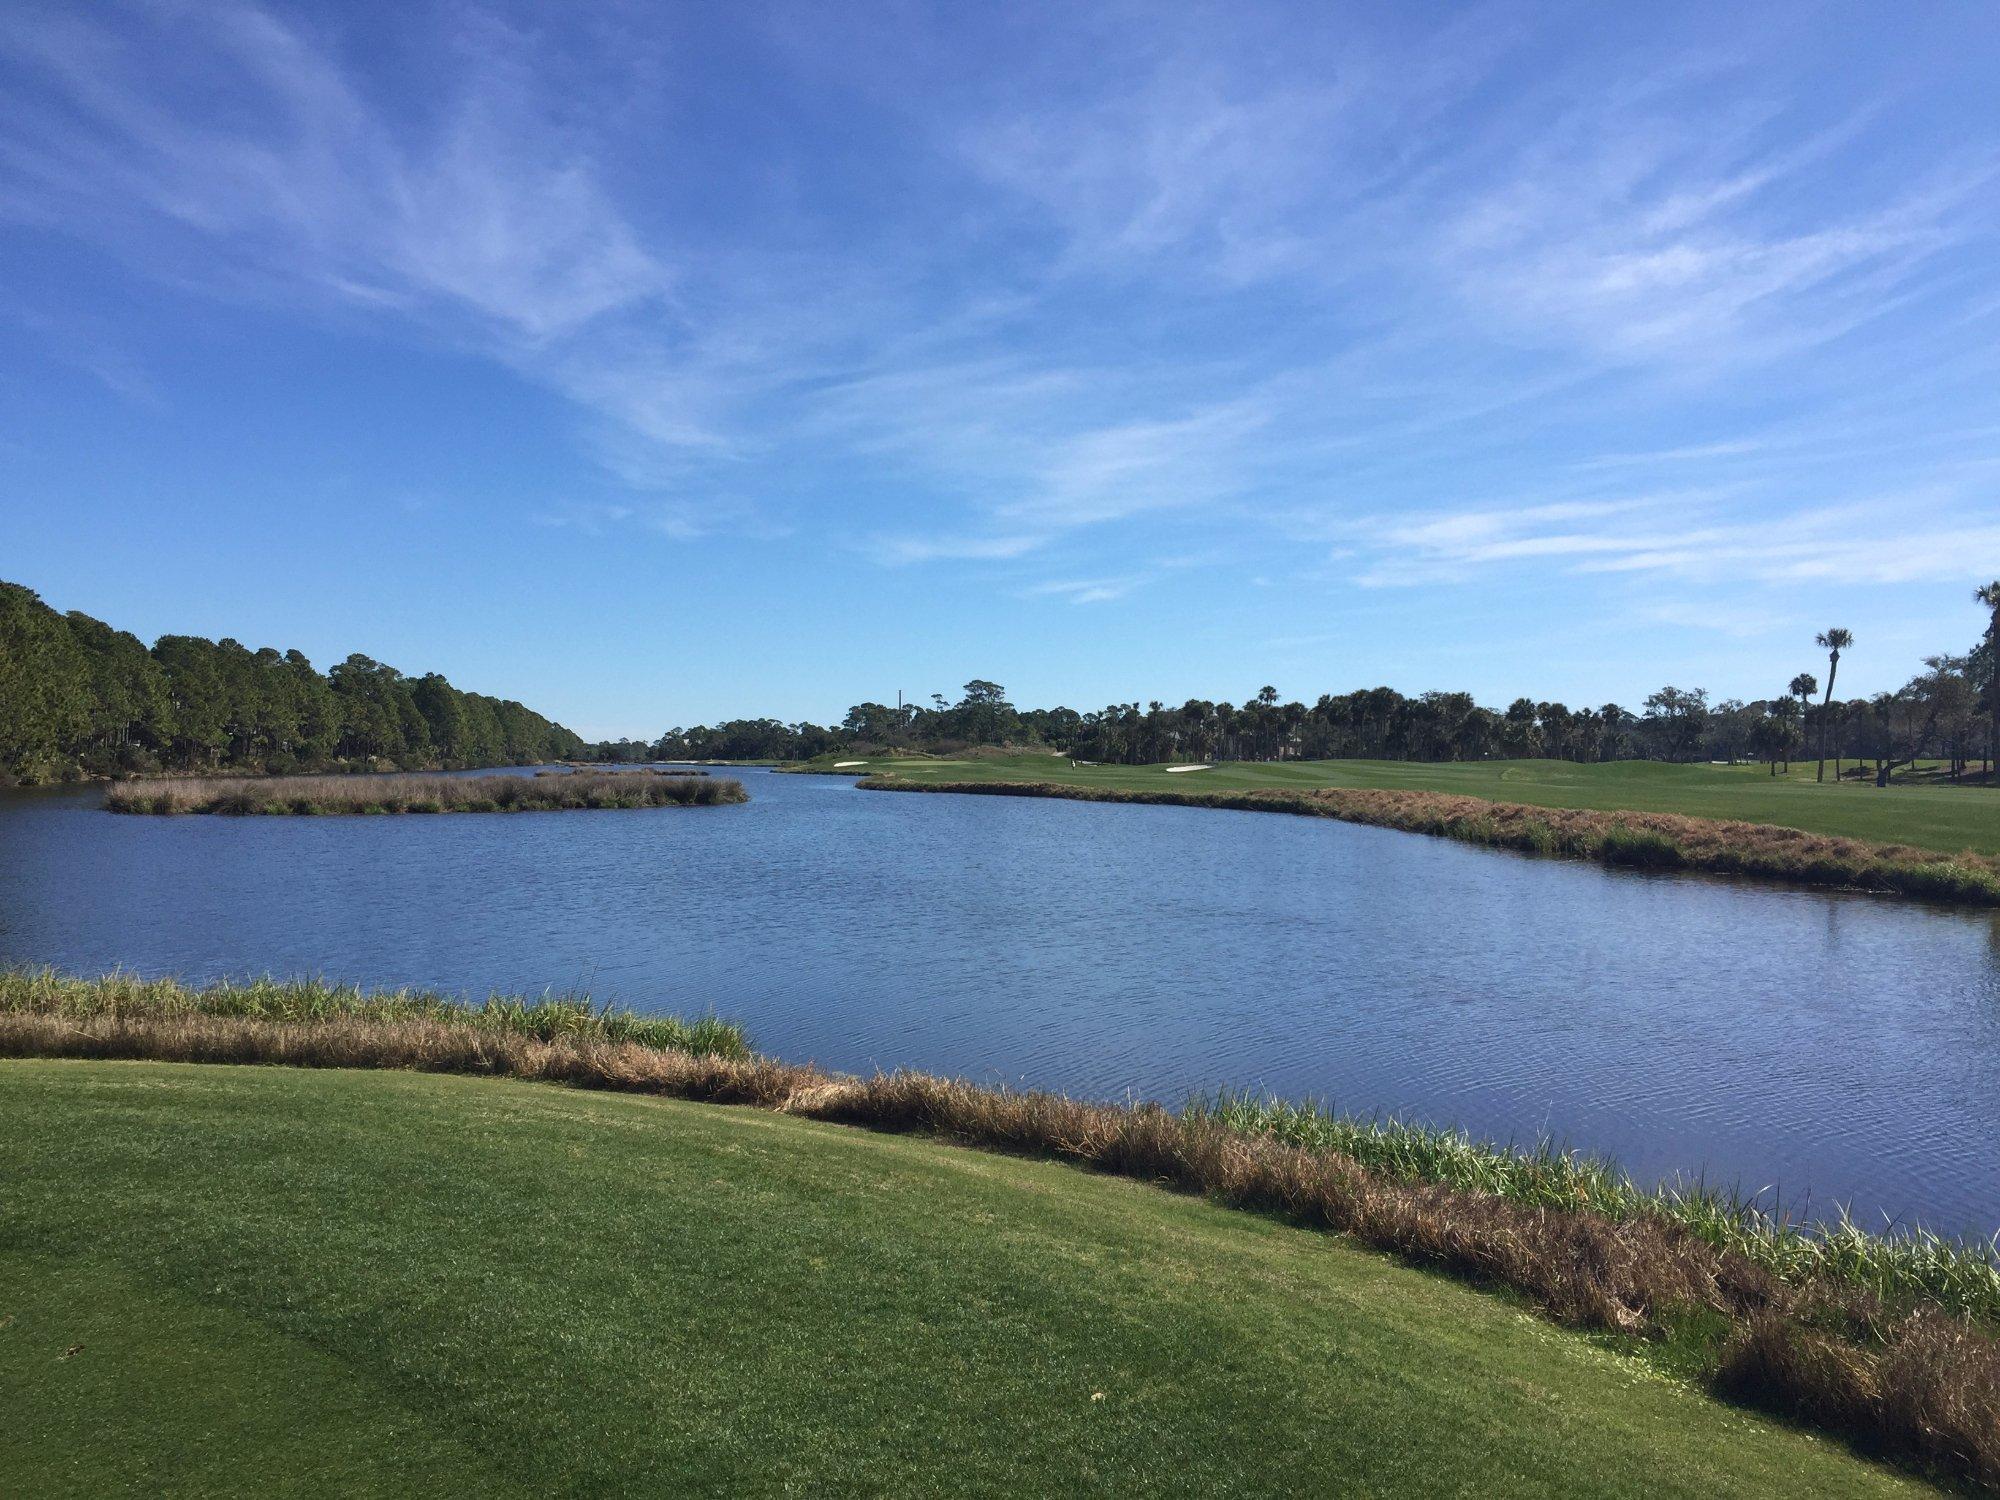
(1838, 1048)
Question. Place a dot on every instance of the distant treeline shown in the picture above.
(1949, 711)
(78, 698)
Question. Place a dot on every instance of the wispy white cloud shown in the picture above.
(1907, 538)
(1222, 164)
(491, 228)
(1729, 616)
(677, 520)
(897, 550)
(85, 343)
(1692, 453)
(1649, 224)
(304, 187)
(1108, 473)
(1102, 589)
(1087, 590)
(1271, 278)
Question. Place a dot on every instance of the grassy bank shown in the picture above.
(1903, 1271)
(1928, 815)
(1659, 841)
(321, 795)
(126, 999)
(1889, 1340)
(354, 1283)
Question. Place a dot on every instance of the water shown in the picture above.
(1841, 1048)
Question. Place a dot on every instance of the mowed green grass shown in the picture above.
(264, 1281)
(1928, 815)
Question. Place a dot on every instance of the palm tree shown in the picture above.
(1833, 642)
(1801, 687)
(1989, 595)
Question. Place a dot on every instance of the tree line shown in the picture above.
(81, 698)
(1950, 711)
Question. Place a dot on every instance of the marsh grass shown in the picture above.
(128, 1000)
(1658, 841)
(309, 796)
(1905, 1270)
(1888, 1340)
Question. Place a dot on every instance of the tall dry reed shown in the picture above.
(317, 795)
(307, 1002)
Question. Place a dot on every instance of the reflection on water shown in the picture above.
(1839, 1046)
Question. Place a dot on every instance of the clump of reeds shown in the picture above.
(1844, 1334)
(1905, 1269)
(1665, 841)
(308, 796)
(1929, 1387)
(127, 998)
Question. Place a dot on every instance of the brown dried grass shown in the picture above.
(421, 1046)
(318, 795)
(1919, 1384)
(1929, 1387)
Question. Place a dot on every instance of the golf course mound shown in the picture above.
(228, 1280)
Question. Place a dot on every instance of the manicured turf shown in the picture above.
(221, 1280)
(1929, 815)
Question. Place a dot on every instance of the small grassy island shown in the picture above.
(423, 1284)
(308, 796)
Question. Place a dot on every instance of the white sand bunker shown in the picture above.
(841, 764)
(1176, 770)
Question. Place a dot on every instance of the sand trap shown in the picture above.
(843, 764)
(1176, 770)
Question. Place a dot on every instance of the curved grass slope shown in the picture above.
(1927, 815)
(348, 1283)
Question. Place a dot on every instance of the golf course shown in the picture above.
(226, 1280)
(1046, 749)
(1923, 811)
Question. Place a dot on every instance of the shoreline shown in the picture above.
(540, 1292)
(1667, 842)
(1889, 1340)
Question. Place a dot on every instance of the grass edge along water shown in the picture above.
(1928, 812)
(1631, 840)
(307, 1002)
(1891, 1340)
(1903, 1266)
(411, 1284)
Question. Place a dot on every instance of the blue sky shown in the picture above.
(657, 364)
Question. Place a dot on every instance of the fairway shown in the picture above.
(225, 1280)
(1929, 815)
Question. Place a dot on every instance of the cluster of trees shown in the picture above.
(1950, 710)
(78, 697)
